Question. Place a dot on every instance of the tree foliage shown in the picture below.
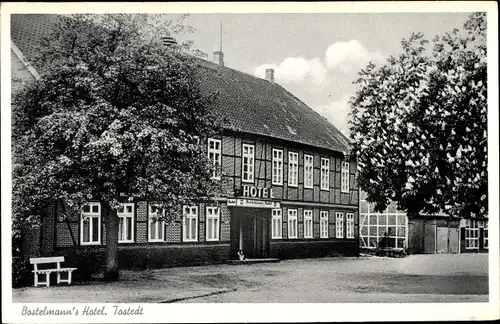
(114, 112)
(419, 125)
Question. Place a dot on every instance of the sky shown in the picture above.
(315, 56)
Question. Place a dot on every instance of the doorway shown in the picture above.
(446, 240)
(250, 230)
(442, 240)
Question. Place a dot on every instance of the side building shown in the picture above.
(437, 233)
(289, 183)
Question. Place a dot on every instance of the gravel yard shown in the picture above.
(416, 278)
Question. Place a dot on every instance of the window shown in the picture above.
(213, 220)
(277, 167)
(325, 173)
(248, 163)
(214, 155)
(349, 217)
(344, 182)
(472, 234)
(156, 224)
(126, 223)
(308, 224)
(90, 224)
(190, 223)
(485, 234)
(339, 225)
(276, 224)
(387, 229)
(292, 223)
(293, 169)
(323, 224)
(308, 171)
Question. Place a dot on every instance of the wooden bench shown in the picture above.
(47, 272)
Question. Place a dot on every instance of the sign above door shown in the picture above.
(255, 203)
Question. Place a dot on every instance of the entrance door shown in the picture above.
(442, 240)
(250, 230)
(261, 240)
(255, 237)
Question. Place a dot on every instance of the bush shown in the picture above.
(89, 263)
(21, 272)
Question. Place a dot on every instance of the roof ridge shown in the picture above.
(238, 71)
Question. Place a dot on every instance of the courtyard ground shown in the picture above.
(415, 278)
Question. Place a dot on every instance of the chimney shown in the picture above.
(219, 58)
(270, 75)
(219, 55)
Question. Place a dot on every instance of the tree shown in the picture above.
(419, 125)
(114, 114)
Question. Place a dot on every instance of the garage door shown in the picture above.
(442, 240)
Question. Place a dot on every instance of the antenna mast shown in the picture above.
(220, 47)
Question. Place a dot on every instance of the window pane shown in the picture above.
(120, 229)
(216, 229)
(86, 230)
(95, 229)
(86, 209)
(209, 229)
(95, 208)
(129, 228)
(187, 228)
(152, 230)
(193, 228)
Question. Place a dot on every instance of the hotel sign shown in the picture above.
(247, 193)
(256, 192)
(255, 203)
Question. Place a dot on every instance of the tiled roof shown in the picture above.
(250, 105)
(256, 106)
(26, 31)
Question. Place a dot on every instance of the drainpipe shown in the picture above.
(241, 235)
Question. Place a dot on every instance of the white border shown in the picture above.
(197, 313)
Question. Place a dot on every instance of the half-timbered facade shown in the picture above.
(289, 185)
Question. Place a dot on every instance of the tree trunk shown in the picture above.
(112, 271)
